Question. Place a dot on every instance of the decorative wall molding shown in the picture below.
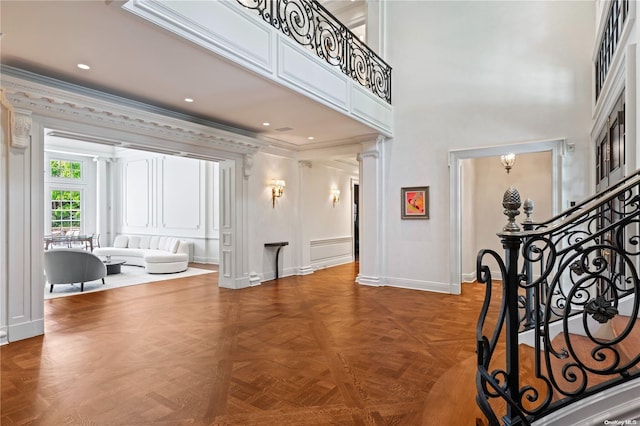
(21, 128)
(137, 193)
(331, 252)
(54, 98)
(422, 285)
(181, 193)
(247, 164)
(368, 154)
(305, 164)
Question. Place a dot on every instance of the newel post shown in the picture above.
(511, 242)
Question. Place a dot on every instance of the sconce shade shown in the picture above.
(335, 196)
(508, 161)
(277, 189)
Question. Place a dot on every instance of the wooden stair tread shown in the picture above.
(630, 346)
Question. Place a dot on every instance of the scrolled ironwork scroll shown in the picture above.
(580, 282)
(312, 26)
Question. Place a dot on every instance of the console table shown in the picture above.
(279, 245)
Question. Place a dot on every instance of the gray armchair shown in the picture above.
(68, 266)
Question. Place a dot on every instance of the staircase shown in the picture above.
(558, 337)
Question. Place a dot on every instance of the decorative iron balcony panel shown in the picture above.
(314, 27)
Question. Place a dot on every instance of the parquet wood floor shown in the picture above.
(312, 350)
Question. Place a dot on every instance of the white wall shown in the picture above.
(474, 74)
(168, 195)
(268, 223)
(329, 227)
(319, 235)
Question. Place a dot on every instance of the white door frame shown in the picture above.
(557, 148)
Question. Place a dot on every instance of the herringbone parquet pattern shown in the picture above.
(312, 350)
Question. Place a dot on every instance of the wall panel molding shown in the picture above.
(331, 252)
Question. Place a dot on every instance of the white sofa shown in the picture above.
(157, 254)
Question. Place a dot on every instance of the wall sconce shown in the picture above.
(277, 189)
(335, 196)
(508, 161)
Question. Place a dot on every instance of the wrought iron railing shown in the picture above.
(570, 290)
(311, 25)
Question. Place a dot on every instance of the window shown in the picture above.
(612, 32)
(610, 147)
(65, 211)
(65, 169)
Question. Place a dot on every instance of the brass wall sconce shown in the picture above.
(335, 196)
(508, 161)
(277, 189)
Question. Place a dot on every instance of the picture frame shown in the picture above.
(415, 202)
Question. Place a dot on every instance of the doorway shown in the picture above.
(356, 220)
(456, 158)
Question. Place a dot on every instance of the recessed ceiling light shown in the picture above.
(311, 138)
(188, 100)
(84, 66)
(266, 124)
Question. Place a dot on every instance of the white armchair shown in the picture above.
(69, 266)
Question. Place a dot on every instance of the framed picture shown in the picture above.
(415, 202)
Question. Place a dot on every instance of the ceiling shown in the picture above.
(132, 58)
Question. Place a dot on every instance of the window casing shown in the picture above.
(611, 35)
(66, 196)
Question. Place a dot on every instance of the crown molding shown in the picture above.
(54, 98)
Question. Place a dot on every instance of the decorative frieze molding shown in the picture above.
(53, 98)
(305, 164)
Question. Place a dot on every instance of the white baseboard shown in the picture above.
(25, 330)
(469, 277)
(372, 281)
(207, 260)
(423, 285)
(329, 262)
(305, 270)
(254, 279)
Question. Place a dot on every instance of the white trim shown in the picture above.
(431, 286)
(616, 404)
(370, 281)
(27, 329)
(557, 148)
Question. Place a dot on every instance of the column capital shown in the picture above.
(374, 153)
(247, 165)
(21, 128)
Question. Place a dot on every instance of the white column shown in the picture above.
(5, 138)
(234, 240)
(371, 213)
(303, 242)
(24, 229)
(103, 204)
